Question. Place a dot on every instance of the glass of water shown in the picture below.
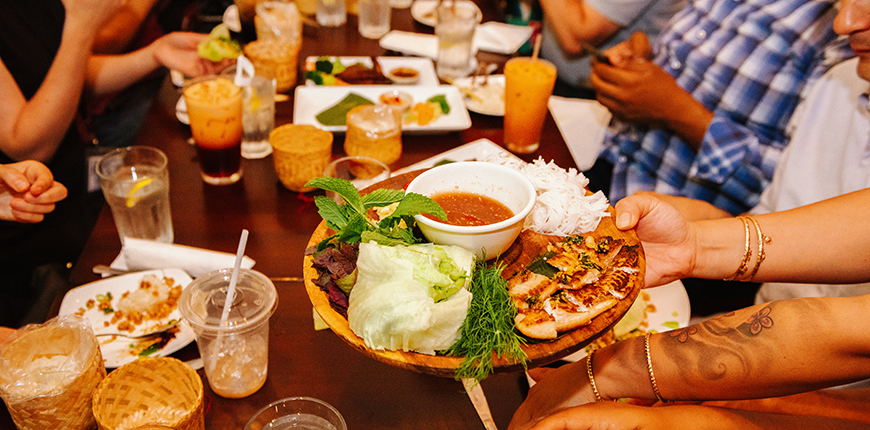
(331, 13)
(454, 28)
(298, 412)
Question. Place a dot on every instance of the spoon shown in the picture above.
(153, 333)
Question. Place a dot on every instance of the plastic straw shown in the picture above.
(537, 47)
(231, 291)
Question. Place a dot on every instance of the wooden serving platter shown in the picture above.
(539, 353)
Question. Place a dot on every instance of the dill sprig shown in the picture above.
(489, 325)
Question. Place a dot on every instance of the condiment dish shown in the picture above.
(501, 183)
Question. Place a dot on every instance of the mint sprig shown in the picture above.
(349, 219)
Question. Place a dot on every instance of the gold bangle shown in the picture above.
(747, 252)
(652, 376)
(592, 378)
(762, 239)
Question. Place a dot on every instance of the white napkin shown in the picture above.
(583, 124)
(501, 38)
(492, 36)
(141, 254)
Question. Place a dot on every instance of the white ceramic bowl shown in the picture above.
(501, 183)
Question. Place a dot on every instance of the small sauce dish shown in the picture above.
(404, 76)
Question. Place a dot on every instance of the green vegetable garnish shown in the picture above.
(336, 115)
(349, 219)
(218, 45)
(442, 101)
(489, 325)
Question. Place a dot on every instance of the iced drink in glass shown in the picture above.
(454, 27)
(135, 182)
(374, 131)
(214, 106)
(528, 86)
(374, 18)
(235, 351)
(331, 13)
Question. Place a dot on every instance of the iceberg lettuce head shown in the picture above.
(410, 298)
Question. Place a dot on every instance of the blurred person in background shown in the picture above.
(46, 68)
(767, 366)
(702, 111)
(571, 24)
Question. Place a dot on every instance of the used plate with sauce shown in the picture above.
(117, 352)
(491, 94)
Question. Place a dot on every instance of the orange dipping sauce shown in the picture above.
(468, 209)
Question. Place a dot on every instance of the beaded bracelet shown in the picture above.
(592, 378)
(652, 376)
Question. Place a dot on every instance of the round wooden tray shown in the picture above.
(539, 353)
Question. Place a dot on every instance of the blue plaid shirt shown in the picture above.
(747, 62)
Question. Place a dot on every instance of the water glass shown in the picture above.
(454, 27)
(331, 13)
(258, 113)
(234, 351)
(360, 171)
(374, 18)
(135, 181)
(297, 412)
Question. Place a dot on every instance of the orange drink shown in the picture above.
(214, 106)
(528, 86)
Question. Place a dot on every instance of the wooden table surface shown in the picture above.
(303, 361)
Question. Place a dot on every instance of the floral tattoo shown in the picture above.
(759, 321)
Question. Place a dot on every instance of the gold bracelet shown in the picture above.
(592, 378)
(747, 252)
(762, 239)
(652, 376)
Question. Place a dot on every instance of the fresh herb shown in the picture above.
(442, 101)
(489, 325)
(349, 219)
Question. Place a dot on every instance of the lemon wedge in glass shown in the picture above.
(131, 198)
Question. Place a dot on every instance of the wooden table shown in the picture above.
(303, 361)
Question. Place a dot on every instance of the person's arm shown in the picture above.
(575, 23)
(178, 50)
(636, 90)
(33, 129)
(116, 35)
(684, 417)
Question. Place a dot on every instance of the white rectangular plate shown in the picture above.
(422, 65)
(116, 352)
(310, 101)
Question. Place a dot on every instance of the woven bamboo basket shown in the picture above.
(278, 55)
(67, 406)
(160, 390)
(301, 153)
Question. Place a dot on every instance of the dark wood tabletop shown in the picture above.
(303, 361)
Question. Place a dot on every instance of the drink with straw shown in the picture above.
(528, 85)
(214, 106)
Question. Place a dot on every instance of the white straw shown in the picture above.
(231, 292)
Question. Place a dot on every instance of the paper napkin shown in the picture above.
(583, 124)
(140, 254)
(492, 36)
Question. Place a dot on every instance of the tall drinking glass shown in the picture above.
(135, 181)
(528, 86)
(331, 13)
(374, 18)
(454, 27)
(214, 106)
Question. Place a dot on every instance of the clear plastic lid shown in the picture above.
(254, 301)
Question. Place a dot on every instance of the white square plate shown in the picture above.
(117, 351)
(310, 101)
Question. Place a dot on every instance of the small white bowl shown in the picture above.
(501, 183)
